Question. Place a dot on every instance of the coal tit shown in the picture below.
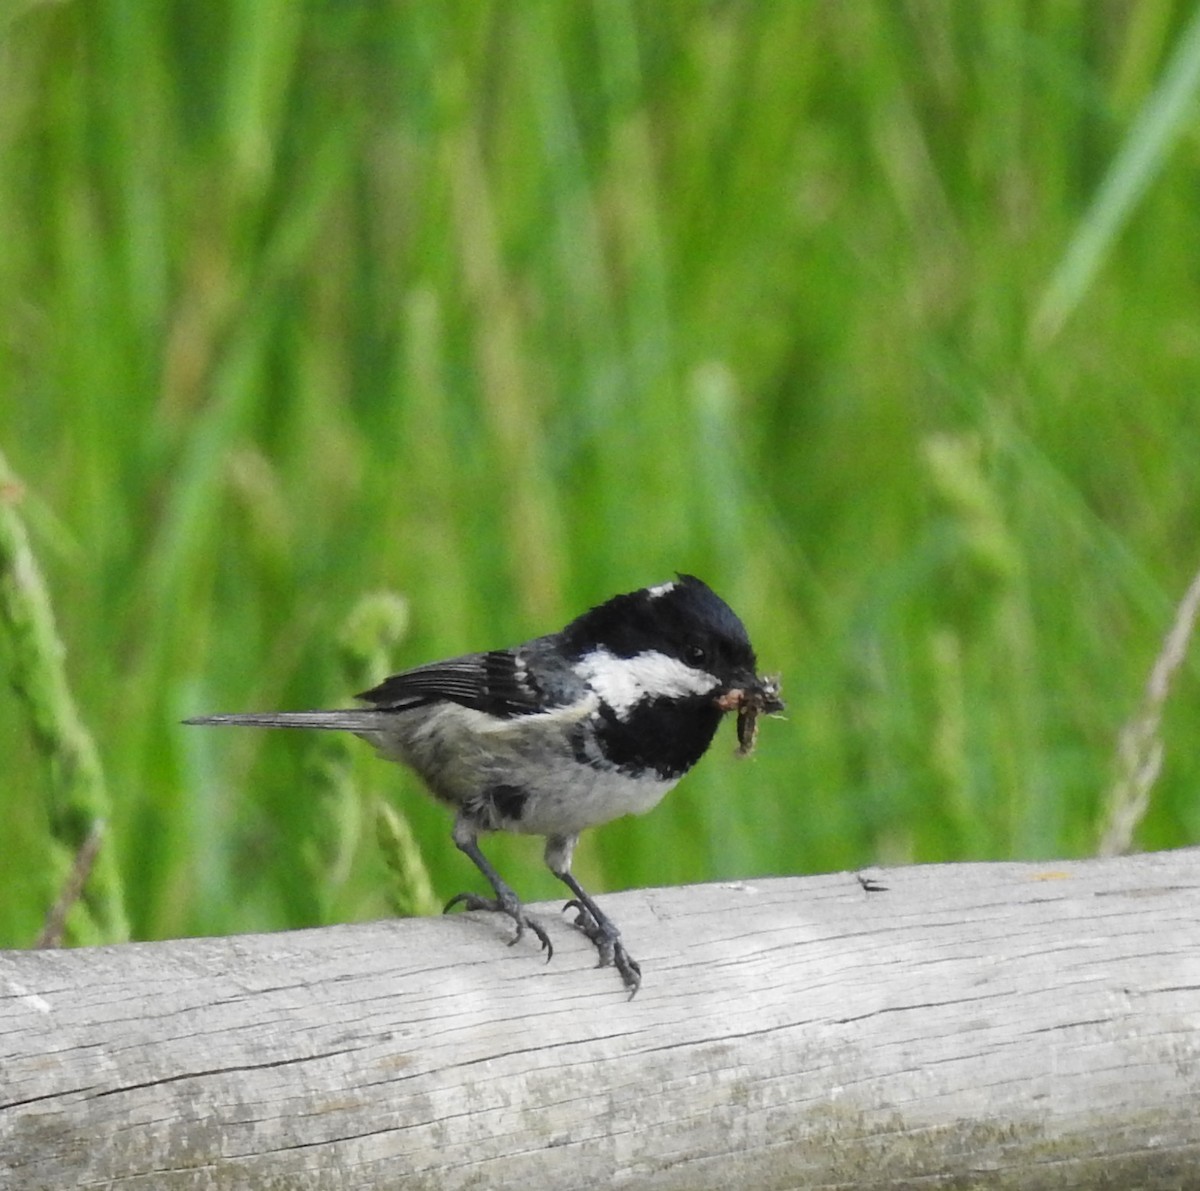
(564, 732)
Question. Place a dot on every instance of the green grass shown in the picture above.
(879, 316)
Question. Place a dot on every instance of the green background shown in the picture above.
(884, 318)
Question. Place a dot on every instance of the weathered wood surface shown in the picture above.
(984, 1025)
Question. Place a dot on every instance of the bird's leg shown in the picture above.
(466, 839)
(591, 919)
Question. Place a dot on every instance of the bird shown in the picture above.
(564, 732)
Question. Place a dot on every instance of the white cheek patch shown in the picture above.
(657, 592)
(623, 682)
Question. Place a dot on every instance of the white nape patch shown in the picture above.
(623, 682)
(661, 589)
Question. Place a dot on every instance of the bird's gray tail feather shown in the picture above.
(349, 720)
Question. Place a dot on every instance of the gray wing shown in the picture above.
(500, 683)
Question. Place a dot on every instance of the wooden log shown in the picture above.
(973, 1025)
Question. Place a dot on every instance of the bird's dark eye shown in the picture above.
(695, 654)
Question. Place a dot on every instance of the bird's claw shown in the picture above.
(504, 905)
(607, 939)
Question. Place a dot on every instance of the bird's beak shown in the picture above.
(750, 699)
(751, 691)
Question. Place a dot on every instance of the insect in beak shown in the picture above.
(760, 697)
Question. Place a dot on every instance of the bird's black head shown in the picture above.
(684, 620)
(666, 663)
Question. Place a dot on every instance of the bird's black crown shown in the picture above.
(685, 619)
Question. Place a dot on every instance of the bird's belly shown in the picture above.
(581, 797)
(464, 757)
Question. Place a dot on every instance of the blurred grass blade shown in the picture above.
(1166, 115)
(1140, 748)
(78, 798)
(411, 892)
(375, 626)
(12, 11)
(55, 926)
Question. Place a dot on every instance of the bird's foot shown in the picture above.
(505, 902)
(604, 934)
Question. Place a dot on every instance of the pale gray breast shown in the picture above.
(539, 766)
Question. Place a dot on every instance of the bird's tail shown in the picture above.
(349, 720)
